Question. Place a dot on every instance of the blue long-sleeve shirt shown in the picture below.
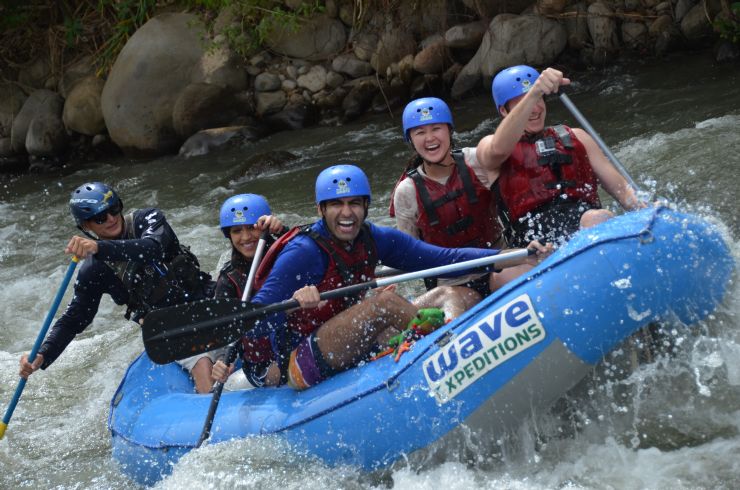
(302, 262)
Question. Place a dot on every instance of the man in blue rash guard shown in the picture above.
(136, 259)
(323, 338)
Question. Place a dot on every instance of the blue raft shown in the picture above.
(517, 350)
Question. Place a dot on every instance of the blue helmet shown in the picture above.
(90, 199)
(428, 110)
(342, 181)
(512, 82)
(242, 209)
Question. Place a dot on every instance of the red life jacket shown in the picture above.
(550, 167)
(345, 268)
(458, 213)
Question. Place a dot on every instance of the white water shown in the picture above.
(672, 424)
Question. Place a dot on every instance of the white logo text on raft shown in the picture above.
(498, 337)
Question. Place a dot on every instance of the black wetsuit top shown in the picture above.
(155, 244)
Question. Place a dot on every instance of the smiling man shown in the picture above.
(546, 178)
(341, 249)
(136, 259)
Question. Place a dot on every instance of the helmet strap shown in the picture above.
(88, 234)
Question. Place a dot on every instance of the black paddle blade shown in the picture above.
(185, 330)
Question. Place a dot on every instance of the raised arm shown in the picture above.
(495, 148)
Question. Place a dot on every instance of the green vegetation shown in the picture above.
(728, 26)
(67, 29)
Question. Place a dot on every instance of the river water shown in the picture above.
(673, 424)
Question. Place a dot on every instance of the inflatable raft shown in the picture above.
(519, 349)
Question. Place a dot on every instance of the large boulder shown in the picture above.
(512, 40)
(82, 111)
(320, 38)
(40, 103)
(155, 65)
(603, 28)
(392, 47)
(466, 36)
(527, 39)
(204, 105)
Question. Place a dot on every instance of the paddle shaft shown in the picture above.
(218, 321)
(587, 126)
(231, 351)
(39, 340)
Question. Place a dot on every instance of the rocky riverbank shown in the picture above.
(177, 87)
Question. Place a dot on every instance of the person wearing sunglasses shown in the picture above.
(135, 258)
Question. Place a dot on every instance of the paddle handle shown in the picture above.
(232, 350)
(39, 340)
(587, 126)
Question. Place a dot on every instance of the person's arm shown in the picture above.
(401, 251)
(88, 290)
(495, 148)
(406, 207)
(612, 181)
(155, 240)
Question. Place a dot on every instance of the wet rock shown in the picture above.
(209, 140)
(726, 52)
(682, 8)
(359, 98)
(83, 112)
(46, 136)
(314, 80)
(635, 35)
(433, 58)
(270, 102)
(265, 162)
(267, 82)
(695, 25)
(44, 165)
(222, 66)
(40, 103)
(576, 25)
(351, 65)
(295, 115)
(392, 47)
(603, 28)
(12, 98)
(465, 36)
(364, 45)
(204, 105)
(319, 38)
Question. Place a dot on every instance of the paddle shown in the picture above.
(184, 330)
(37, 345)
(218, 387)
(587, 126)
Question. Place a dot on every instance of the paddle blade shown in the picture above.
(182, 331)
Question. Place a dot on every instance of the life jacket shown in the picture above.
(459, 213)
(158, 283)
(346, 267)
(253, 349)
(544, 169)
